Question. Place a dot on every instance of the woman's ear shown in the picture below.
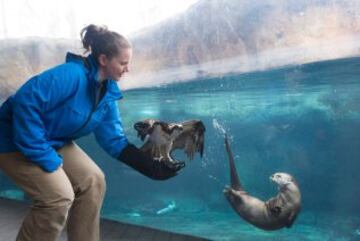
(102, 59)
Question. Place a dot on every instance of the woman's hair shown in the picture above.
(100, 40)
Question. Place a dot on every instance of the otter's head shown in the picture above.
(145, 127)
(282, 179)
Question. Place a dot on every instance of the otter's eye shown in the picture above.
(277, 176)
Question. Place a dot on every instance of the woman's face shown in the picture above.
(115, 67)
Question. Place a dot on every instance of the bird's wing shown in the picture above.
(191, 139)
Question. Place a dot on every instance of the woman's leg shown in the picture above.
(88, 182)
(52, 196)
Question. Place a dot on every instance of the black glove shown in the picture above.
(145, 164)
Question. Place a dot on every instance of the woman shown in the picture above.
(39, 123)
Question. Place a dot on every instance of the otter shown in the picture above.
(275, 213)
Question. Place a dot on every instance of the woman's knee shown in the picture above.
(67, 198)
(99, 181)
(96, 182)
(61, 198)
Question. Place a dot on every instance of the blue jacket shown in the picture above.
(57, 106)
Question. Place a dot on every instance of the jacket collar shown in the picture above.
(92, 72)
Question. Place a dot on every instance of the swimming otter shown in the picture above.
(275, 213)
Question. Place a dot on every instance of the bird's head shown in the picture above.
(145, 127)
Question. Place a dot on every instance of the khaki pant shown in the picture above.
(71, 195)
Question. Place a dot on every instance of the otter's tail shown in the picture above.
(235, 182)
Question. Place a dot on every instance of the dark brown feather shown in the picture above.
(191, 139)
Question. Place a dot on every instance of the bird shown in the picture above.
(162, 138)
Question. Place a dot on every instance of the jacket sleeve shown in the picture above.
(109, 134)
(36, 96)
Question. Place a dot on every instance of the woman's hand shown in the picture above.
(146, 165)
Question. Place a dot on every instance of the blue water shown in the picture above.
(304, 120)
